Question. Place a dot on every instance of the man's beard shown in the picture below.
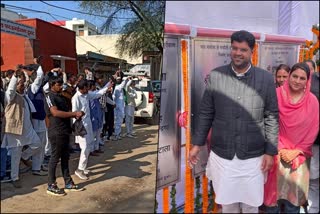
(241, 66)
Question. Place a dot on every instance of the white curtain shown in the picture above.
(297, 17)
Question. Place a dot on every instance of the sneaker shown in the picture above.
(25, 169)
(86, 171)
(119, 137)
(98, 151)
(130, 136)
(80, 174)
(53, 189)
(124, 135)
(39, 172)
(71, 187)
(93, 154)
(133, 134)
(16, 183)
(44, 167)
(113, 138)
(5, 179)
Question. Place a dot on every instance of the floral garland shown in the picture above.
(198, 197)
(189, 183)
(210, 198)
(173, 199)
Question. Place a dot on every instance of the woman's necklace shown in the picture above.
(296, 98)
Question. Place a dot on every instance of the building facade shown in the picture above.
(53, 43)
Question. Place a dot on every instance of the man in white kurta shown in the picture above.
(130, 107)
(15, 142)
(118, 98)
(80, 102)
(39, 126)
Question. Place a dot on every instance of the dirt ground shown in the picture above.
(122, 180)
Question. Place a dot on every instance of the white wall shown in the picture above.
(245, 15)
(297, 17)
(103, 44)
(293, 18)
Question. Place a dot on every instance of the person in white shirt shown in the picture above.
(18, 127)
(36, 95)
(80, 102)
(131, 94)
(118, 98)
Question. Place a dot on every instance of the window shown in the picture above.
(89, 33)
(81, 26)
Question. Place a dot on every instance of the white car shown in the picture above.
(146, 102)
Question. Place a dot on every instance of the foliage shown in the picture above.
(140, 23)
(210, 196)
(173, 193)
(198, 197)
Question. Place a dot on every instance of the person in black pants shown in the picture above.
(109, 115)
(109, 125)
(58, 133)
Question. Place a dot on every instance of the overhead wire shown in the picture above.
(52, 15)
(28, 9)
(76, 11)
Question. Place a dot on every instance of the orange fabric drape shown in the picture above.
(166, 207)
(189, 182)
(204, 194)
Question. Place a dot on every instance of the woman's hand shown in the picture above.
(289, 154)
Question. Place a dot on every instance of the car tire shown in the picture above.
(154, 120)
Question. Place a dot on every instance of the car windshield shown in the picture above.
(156, 85)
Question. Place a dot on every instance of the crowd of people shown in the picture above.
(46, 116)
(265, 134)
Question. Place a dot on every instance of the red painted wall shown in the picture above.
(50, 40)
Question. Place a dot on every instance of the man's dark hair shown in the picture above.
(312, 63)
(69, 76)
(30, 67)
(86, 68)
(98, 76)
(9, 72)
(303, 66)
(55, 80)
(91, 83)
(81, 75)
(244, 36)
(82, 83)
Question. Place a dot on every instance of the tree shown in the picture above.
(140, 23)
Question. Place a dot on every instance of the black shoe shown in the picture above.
(39, 172)
(44, 167)
(53, 189)
(5, 179)
(16, 183)
(72, 187)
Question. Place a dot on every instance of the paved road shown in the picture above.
(122, 180)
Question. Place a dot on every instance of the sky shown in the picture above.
(56, 12)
